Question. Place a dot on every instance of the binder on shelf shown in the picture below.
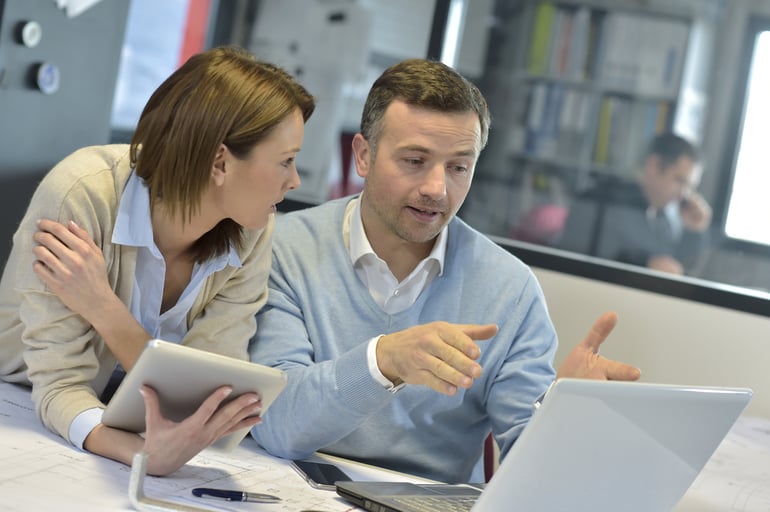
(550, 130)
(579, 38)
(535, 117)
(642, 54)
(618, 145)
(539, 50)
(603, 132)
(573, 123)
(602, 80)
(561, 41)
(559, 45)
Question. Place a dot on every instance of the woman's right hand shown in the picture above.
(72, 266)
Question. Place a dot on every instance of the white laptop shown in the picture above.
(595, 446)
(184, 377)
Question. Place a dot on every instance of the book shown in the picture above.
(541, 38)
(579, 38)
(603, 132)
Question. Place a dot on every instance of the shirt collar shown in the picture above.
(358, 243)
(133, 224)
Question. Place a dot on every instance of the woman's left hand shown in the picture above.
(170, 445)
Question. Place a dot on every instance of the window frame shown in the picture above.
(755, 25)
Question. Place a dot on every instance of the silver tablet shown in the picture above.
(184, 377)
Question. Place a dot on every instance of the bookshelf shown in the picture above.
(596, 81)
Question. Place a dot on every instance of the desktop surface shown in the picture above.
(40, 471)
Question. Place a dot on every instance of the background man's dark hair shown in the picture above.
(670, 147)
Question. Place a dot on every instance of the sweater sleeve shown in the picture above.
(323, 401)
(525, 371)
(66, 359)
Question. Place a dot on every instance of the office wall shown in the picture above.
(671, 339)
(37, 129)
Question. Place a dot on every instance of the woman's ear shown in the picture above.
(218, 168)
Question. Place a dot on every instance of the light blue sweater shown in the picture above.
(319, 317)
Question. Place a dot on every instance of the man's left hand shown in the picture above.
(584, 361)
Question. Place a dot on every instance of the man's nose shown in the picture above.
(434, 183)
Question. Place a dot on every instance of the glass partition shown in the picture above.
(578, 90)
(612, 123)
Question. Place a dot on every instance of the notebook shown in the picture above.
(184, 377)
(592, 445)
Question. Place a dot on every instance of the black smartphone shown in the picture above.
(319, 475)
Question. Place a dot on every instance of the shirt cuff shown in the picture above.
(83, 424)
(540, 399)
(374, 369)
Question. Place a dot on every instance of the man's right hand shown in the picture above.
(439, 355)
(665, 264)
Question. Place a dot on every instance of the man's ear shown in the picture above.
(655, 164)
(361, 154)
(218, 168)
(652, 166)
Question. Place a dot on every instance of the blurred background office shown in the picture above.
(577, 89)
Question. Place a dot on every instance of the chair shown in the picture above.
(490, 457)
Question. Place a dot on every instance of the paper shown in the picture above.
(737, 477)
(40, 471)
(75, 7)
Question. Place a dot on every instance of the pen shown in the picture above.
(222, 494)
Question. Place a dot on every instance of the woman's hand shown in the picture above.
(170, 445)
(72, 266)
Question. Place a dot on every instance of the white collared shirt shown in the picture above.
(392, 296)
(133, 227)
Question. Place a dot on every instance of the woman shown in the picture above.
(168, 238)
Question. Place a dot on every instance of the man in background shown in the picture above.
(658, 220)
(408, 336)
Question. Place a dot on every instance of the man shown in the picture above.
(407, 335)
(658, 221)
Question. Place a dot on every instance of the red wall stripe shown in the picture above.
(194, 36)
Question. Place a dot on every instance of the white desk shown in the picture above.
(39, 471)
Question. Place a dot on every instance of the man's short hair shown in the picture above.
(670, 147)
(425, 84)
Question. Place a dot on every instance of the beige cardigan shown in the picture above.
(45, 344)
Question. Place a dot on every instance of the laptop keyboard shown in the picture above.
(438, 503)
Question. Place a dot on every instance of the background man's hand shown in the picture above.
(665, 264)
(695, 212)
